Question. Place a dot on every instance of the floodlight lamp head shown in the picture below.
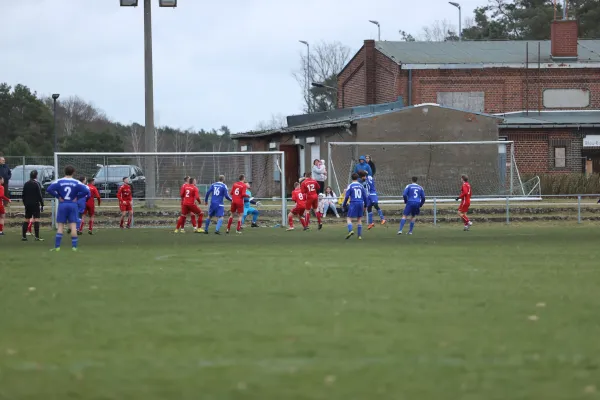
(129, 3)
(455, 4)
(167, 3)
(374, 22)
(303, 42)
(55, 96)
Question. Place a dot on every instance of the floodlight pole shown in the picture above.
(150, 140)
(457, 5)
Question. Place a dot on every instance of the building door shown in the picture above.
(292, 167)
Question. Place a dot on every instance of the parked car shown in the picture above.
(109, 178)
(20, 175)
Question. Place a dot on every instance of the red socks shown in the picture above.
(303, 222)
(239, 225)
(193, 220)
(1, 227)
(29, 226)
(80, 225)
(91, 225)
(200, 220)
(319, 218)
(291, 222)
(129, 221)
(122, 220)
(307, 218)
(229, 223)
(465, 219)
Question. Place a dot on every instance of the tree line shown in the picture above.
(27, 128)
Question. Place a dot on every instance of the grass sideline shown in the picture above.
(496, 313)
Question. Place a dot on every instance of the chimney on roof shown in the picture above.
(563, 38)
(370, 73)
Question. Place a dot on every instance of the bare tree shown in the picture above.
(439, 31)
(77, 112)
(277, 121)
(327, 59)
(136, 135)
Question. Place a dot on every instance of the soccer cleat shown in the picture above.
(254, 225)
(371, 225)
(410, 233)
(23, 239)
(349, 235)
(1, 233)
(217, 233)
(29, 234)
(200, 230)
(79, 233)
(290, 229)
(128, 227)
(37, 239)
(90, 233)
(320, 226)
(69, 230)
(360, 238)
(175, 231)
(239, 232)
(466, 228)
(383, 222)
(74, 249)
(306, 228)
(227, 232)
(57, 249)
(399, 232)
(205, 232)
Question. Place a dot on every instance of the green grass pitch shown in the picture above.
(501, 312)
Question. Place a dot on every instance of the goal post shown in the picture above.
(490, 165)
(264, 170)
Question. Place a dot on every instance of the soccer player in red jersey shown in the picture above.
(300, 199)
(465, 201)
(189, 196)
(3, 198)
(125, 196)
(238, 192)
(90, 209)
(310, 188)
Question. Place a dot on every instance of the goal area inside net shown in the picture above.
(490, 166)
(156, 178)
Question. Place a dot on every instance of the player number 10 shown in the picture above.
(358, 193)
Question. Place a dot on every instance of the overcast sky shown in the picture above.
(215, 62)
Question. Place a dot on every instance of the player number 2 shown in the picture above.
(237, 191)
(358, 193)
(187, 193)
(68, 193)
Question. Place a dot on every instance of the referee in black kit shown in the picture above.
(34, 205)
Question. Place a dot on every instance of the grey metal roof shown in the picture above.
(480, 52)
(551, 119)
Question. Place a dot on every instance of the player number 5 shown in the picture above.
(416, 193)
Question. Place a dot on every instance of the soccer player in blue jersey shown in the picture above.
(248, 210)
(67, 190)
(356, 194)
(414, 198)
(218, 191)
(373, 201)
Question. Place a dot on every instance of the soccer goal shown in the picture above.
(491, 168)
(156, 179)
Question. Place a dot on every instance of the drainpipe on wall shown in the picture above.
(410, 87)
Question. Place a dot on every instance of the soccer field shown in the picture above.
(500, 312)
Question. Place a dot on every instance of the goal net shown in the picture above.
(491, 167)
(156, 179)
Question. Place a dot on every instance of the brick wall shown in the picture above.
(564, 38)
(506, 89)
(534, 150)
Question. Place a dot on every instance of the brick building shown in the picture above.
(494, 77)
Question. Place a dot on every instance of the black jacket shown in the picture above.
(32, 193)
(372, 165)
(5, 173)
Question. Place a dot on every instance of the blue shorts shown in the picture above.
(356, 210)
(250, 210)
(216, 210)
(67, 213)
(412, 209)
(373, 199)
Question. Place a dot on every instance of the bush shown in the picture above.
(570, 183)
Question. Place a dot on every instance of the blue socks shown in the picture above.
(380, 214)
(74, 242)
(349, 228)
(58, 240)
(370, 217)
(254, 218)
(219, 223)
(402, 222)
(359, 229)
(206, 224)
(412, 225)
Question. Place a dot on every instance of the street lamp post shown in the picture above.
(308, 102)
(378, 29)
(334, 89)
(55, 97)
(149, 135)
(457, 5)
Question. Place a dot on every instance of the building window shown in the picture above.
(560, 157)
(566, 98)
(467, 101)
